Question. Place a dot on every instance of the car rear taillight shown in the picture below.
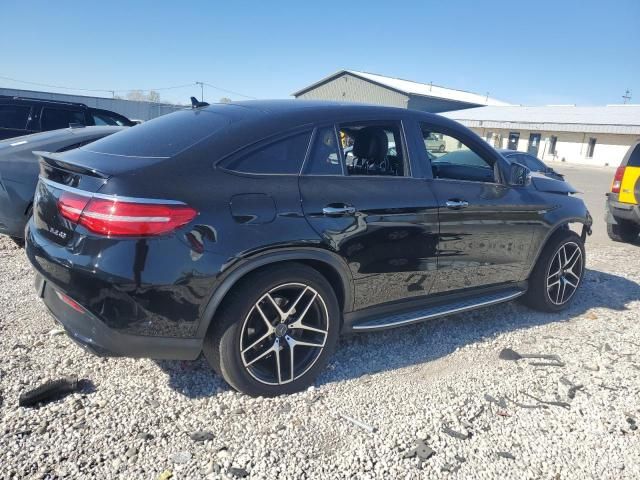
(115, 217)
(617, 180)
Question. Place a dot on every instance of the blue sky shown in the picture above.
(540, 52)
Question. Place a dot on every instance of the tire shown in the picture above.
(18, 241)
(623, 231)
(241, 323)
(569, 276)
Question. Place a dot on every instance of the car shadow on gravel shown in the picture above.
(369, 353)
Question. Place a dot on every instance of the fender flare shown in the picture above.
(249, 264)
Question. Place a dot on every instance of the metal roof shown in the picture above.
(617, 119)
(412, 88)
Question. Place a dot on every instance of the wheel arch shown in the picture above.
(562, 225)
(327, 263)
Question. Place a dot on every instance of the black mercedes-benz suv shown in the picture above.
(246, 232)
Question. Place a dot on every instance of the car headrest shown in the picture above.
(371, 143)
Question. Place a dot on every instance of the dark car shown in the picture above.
(532, 162)
(623, 201)
(232, 229)
(23, 115)
(19, 170)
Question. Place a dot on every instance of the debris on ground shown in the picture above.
(49, 391)
(423, 451)
(166, 475)
(238, 472)
(201, 436)
(360, 424)
(456, 434)
(506, 455)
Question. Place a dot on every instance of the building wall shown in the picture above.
(348, 88)
(128, 108)
(570, 147)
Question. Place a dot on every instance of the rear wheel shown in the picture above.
(557, 275)
(275, 331)
(623, 231)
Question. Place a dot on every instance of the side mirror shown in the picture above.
(519, 175)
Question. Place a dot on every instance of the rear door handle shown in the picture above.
(456, 204)
(337, 211)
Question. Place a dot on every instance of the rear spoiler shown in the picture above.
(56, 160)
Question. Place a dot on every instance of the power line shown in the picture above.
(228, 91)
(112, 91)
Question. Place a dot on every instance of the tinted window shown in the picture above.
(163, 136)
(14, 116)
(284, 156)
(373, 149)
(634, 158)
(109, 118)
(325, 156)
(53, 119)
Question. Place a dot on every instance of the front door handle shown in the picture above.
(337, 211)
(456, 204)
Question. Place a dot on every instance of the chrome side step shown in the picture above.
(436, 311)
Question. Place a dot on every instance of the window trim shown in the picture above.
(247, 150)
(403, 140)
(466, 140)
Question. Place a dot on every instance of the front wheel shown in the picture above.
(275, 331)
(557, 274)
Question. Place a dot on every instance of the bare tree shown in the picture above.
(153, 96)
(225, 100)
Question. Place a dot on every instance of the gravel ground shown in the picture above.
(410, 384)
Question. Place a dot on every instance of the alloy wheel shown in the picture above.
(284, 333)
(565, 273)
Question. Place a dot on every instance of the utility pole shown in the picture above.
(201, 90)
(627, 96)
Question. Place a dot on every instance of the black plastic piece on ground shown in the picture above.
(49, 391)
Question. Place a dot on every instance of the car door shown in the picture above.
(486, 227)
(371, 211)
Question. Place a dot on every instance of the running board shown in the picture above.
(428, 313)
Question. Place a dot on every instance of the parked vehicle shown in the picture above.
(231, 229)
(435, 143)
(23, 116)
(531, 162)
(19, 171)
(623, 202)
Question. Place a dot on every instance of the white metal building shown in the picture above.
(353, 86)
(586, 135)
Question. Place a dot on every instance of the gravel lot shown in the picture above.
(139, 418)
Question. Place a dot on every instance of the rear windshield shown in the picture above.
(634, 158)
(164, 136)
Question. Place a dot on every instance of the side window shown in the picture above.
(281, 157)
(53, 118)
(100, 118)
(325, 156)
(634, 158)
(451, 158)
(373, 149)
(14, 116)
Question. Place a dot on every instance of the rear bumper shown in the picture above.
(621, 211)
(95, 337)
